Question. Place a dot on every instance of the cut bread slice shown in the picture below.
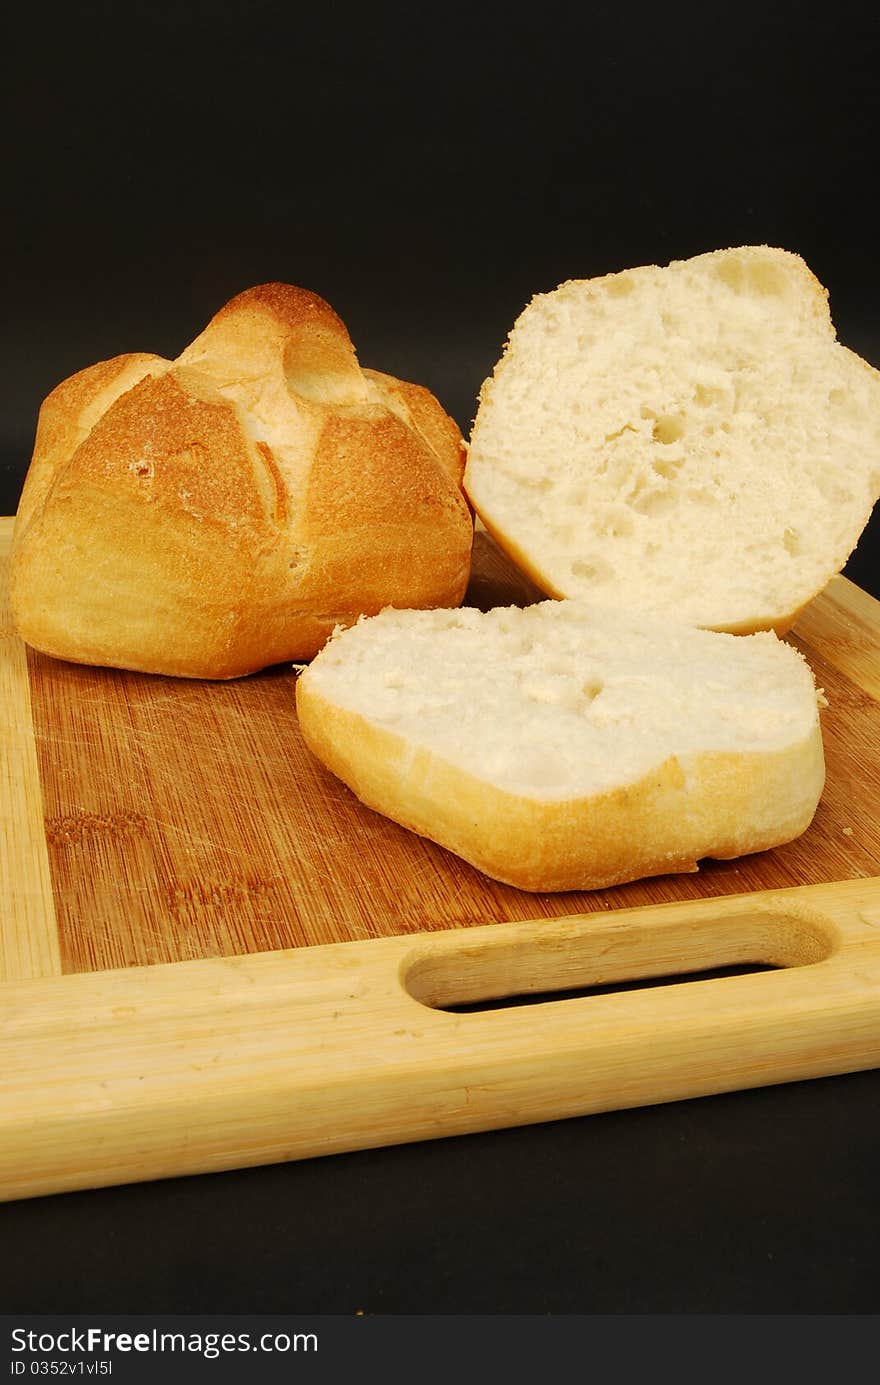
(692, 441)
(565, 746)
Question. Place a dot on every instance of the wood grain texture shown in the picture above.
(188, 820)
(843, 624)
(223, 1063)
(28, 929)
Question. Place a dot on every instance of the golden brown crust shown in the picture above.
(156, 446)
(423, 413)
(68, 414)
(209, 517)
(726, 805)
(293, 307)
(346, 496)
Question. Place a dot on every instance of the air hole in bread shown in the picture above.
(615, 524)
(792, 542)
(620, 286)
(769, 278)
(731, 272)
(708, 395)
(668, 429)
(665, 428)
(831, 489)
(592, 569)
(653, 502)
(394, 679)
(668, 468)
(701, 494)
(532, 482)
(619, 432)
(744, 274)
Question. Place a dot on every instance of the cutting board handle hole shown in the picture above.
(579, 992)
(572, 959)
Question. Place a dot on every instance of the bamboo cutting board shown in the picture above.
(212, 955)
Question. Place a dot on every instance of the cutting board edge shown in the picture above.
(214, 1075)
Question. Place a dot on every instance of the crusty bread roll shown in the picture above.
(210, 516)
(565, 746)
(689, 441)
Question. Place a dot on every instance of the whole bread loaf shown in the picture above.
(690, 441)
(210, 516)
(565, 746)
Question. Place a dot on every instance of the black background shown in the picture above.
(427, 170)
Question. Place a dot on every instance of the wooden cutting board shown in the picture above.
(212, 955)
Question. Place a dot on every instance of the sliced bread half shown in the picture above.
(568, 747)
(692, 441)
